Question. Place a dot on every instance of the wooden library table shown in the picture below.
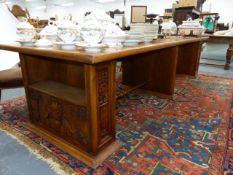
(225, 40)
(71, 94)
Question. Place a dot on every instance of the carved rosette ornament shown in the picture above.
(82, 113)
(35, 100)
(103, 85)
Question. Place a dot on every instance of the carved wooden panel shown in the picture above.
(103, 91)
(34, 104)
(103, 85)
(62, 118)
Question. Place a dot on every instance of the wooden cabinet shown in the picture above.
(63, 113)
(182, 13)
(71, 101)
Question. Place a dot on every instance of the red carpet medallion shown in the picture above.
(187, 135)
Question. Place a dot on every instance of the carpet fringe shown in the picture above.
(41, 153)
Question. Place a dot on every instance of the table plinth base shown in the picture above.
(92, 161)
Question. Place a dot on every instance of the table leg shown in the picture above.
(188, 59)
(228, 57)
(157, 69)
(100, 94)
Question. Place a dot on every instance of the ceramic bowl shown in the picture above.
(191, 31)
(52, 38)
(92, 36)
(67, 31)
(26, 34)
(49, 32)
(67, 35)
(25, 31)
(92, 32)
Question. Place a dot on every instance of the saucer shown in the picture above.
(66, 46)
(114, 45)
(131, 42)
(43, 45)
(26, 43)
(91, 48)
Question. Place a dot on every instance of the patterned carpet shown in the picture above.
(187, 135)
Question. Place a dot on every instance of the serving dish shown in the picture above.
(66, 46)
(26, 43)
(91, 48)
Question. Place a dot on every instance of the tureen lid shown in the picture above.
(67, 24)
(91, 24)
(49, 30)
(25, 25)
(99, 15)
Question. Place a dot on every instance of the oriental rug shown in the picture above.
(184, 136)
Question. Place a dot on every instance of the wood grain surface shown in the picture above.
(105, 55)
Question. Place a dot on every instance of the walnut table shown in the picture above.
(71, 94)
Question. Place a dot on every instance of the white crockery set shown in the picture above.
(191, 27)
(96, 32)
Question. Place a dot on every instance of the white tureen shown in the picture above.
(25, 31)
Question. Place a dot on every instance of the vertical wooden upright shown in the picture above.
(100, 88)
(189, 58)
(157, 69)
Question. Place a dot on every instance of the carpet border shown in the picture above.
(212, 169)
(217, 76)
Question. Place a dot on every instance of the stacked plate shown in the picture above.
(26, 43)
(148, 31)
(133, 38)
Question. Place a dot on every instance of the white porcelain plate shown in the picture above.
(131, 42)
(43, 45)
(114, 45)
(26, 43)
(91, 48)
(66, 46)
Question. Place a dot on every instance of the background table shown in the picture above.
(226, 40)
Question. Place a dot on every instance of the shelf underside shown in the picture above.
(61, 91)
